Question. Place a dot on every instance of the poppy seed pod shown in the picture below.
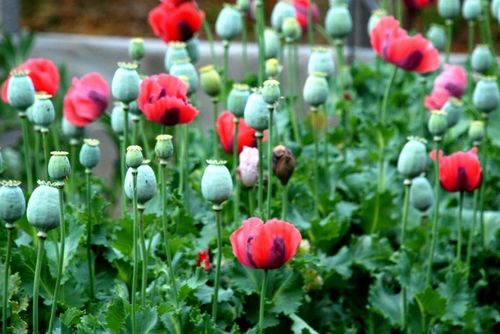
(481, 58)
(136, 50)
(43, 207)
(272, 68)
(125, 83)
(437, 35)
(338, 21)
(453, 109)
(164, 148)
(211, 81)
(412, 160)
(237, 99)
(176, 51)
(281, 11)
(283, 163)
(118, 118)
(476, 132)
(146, 183)
(256, 114)
(133, 108)
(90, 153)
(272, 43)
(291, 29)
(438, 123)
(228, 24)
(12, 201)
(184, 68)
(321, 60)
(448, 9)
(216, 182)
(471, 9)
(134, 157)
(421, 194)
(486, 96)
(316, 89)
(20, 90)
(71, 131)
(43, 111)
(193, 49)
(495, 6)
(375, 18)
(59, 167)
(271, 91)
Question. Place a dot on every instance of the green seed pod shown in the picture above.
(133, 108)
(90, 153)
(291, 29)
(134, 157)
(228, 24)
(256, 114)
(185, 68)
(211, 81)
(437, 35)
(495, 6)
(421, 194)
(476, 131)
(71, 131)
(438, 123)
(118, 119)
(486, 96)
(471, 9)
(272, 68)
(193, 49)
(481, 59)
(412, 160)
(43, 111)
(146, 183)
(338, 21)
(281, 11)
(125, 83)
(237, 99)
(272, 43)
(454, 110)
(20, 90)
(43, 207)
(321, 60)
(376, 16)
(243, 5)
(448, 9)
(136, 50)
(316, 89)
(164, 148)
(12, 201)
(271, 91)
(216, 182)
(59, 167)
(176, 51)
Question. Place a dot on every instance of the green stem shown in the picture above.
(471, 232)
(259, 9)
(210, 39)
(72, 157)
(399, 12)
(310, 24)
(26, 148)
(260, 188)
(435, 218)
(9, 228)
(385, 100)
(235, 168)
(316, 167)
(135, 125)
(90, 262)
(487, 31)
(182, 161)
(144, 136)
(262, 303)
(45, 152)
(225, 77)
(144, 277)
(284, 202)
(35, 153)
(459, 227)
(470, 40)
(407, 184)
(134, 250)
(483, 184)
(339, 52)
(36, 283)
(125, 124)
(217, 210)
(449, 33)
(123, 153)
(291, 98)
(269, 161)
(244, 41)
(215, 148)
(251, 200)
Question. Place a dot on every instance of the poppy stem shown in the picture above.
(472, 231)
(487, 39)
(183, 161)
(244, 42)
(210, 39)
(259, 9)
(217, 210)
(135, 125)
(316, 165)
(35, 153)
(459, 227)
(258, 136)
(291, 97)
(483, 183)
(407, 184)
(262, 303)
(122, 170)
(269, 160)
(45, 144)
(225, 77)
(144, 279)
(310, 24)
(449, 33)
(10, 228)
(471, 25)
(145, 142)
(435, 218)
(284, 204)
(399, 12)
(72, 156)
(134, 250)
(235, 170)
(26, 148)
(215, 102)
(36, 283)
(251, 199)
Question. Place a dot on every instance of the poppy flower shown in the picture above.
(460, 171)
(418, 4)
(44, 74)
(411, 53)
(204, 259)
(86, 99)
(301, 12)
(163, 99)
(175, 20)
(225, 130)
(452, 82)
(265, 246)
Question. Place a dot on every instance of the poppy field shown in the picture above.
(363, 199)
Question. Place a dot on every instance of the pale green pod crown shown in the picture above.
(315, 91)
(176, 51)
(256, 113)
(216, 182)
(43, 207)
(136, 49)
(43, 111)
(338, 21)
(486, 97)
(59, 167)
(90, 153)
(421, 194)
(125, 83)
(184, 68)
(134, 156)
(20, 90)
(438, 123)
(229, 23)
(448, 9)
(12, 201)
(412, 160)
(146, 183)
(237, 99)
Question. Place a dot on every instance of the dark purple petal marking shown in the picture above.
(462, 179)
(412, 61)
(99, 99)
(277, 253)
(248, 251)
(170, 116)
(185, 31)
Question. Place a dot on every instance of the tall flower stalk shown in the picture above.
(404, 221)
(262, 303)
(235, 170)
(36, 283)
(260, 184)
(449, 36)
(459, 226)
(435, 217)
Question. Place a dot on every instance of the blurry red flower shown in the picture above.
(460, 171)
(86, 99)
(204, 259)
(265, 246)
(163, 99)
(393, 44)
(452, 82)
(44, 74)
(175, 20)
(301, 9)
(418, 4)
(225, 130)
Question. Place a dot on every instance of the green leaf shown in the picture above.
(340, 263)
(145, 321)
(299, 325)
(71, 316)
(116, 315)
(372, 253)
(205, 293)
(384, 302)
(432, 302)
(456, 293)
(287, 297)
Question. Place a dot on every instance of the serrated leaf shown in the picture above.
(371, 252)
(299, 325)
(384, 302)
(116, 315)
(456, 293)
(205, 293)
(145, 321)
(340, 263)
(71, 316)
(287, 296)
(432, 302)
(245, 279)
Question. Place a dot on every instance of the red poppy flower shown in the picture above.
(204, 259)
(163, 99)
(393, 44)
(175, 20)
(301, 10)
(225, 129)
(460, 171)
(452, 82)
(44, 74)
(418, 4)
(86, 99)
(265, 246)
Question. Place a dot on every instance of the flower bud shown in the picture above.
(59, 167)
(43, 111)
(211, 81)
(20, 90)
(243, 5)
(118, 119)
(272, 68)
(486, 96)
(12, 201)
(412, 160)
(448, 9)
(481, 59)
(272, 43)
(71, 131)
(338, 21)
(134, 156)
(476, 131)
(471, 9)
(316, 89)
(438, 123)
(228, 24)
(43, 207)
(164, 148)
(90, 153)
(136, 49)
(437, 35)
(283, 163)
(291, 29)
(271, 91)
(216, 182)
(185, 68)
(193, 49)
(421, 194)
(281, 11)
(248, 168)
(125, 83)
(305, 246)
(237, 99)
(176, 51)
(256, 114)
(146, 183)
(453, 109)
(376, 16)
(321, 60)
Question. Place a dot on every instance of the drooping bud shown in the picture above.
(471, 9)
(481, 59)
(272, 68)
(412, 160)
(321, 61)
(20, 90)
(43, 207)
(453, 109)
(283, 163)
(228, 24)
(315, 91)
(176, 51)
(271, 91)
(211, 81)
(486, 96)
(376, 16)
(59, 167)
(90, 153)
(437, 35)
(237, 99)
(134, 157)
(448, 9)
(421, 194)
(216, 182)
(125, 83)
(185, 68)
(164, 148)
(291, 29)
(43, 111)
(281, 11)
(248, 167)
(146, 183)
(256, 114)
(136, 50)
(476, 132)
(438, 123)
(12, 202)
(272, 43)
(338, 21)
